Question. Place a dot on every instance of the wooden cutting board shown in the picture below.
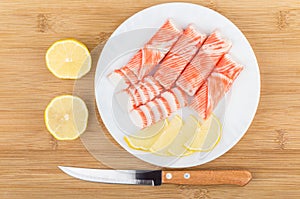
(29, 156)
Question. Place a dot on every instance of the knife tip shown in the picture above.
(61, 168)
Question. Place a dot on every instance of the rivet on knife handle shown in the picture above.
(207, 177)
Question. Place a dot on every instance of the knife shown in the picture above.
(158, 177)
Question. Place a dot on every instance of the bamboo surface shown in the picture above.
(29, 156)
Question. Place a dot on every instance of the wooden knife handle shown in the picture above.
(207, 177)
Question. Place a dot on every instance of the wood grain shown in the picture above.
(29, 156)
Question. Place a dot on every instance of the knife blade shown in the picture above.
(158, 177)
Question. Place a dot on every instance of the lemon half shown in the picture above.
(66, 117)
(68, 59)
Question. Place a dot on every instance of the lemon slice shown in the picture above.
(190, 127)
(207, 137)
(169, 134)
(68, 59)
(66, 117)
(163, 152)
(145, 138)
(150, 131)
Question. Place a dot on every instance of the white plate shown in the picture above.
(136, 30)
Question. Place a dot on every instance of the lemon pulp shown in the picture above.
(145, 138)
(188, 130)
(207, 136)
(168, 135)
